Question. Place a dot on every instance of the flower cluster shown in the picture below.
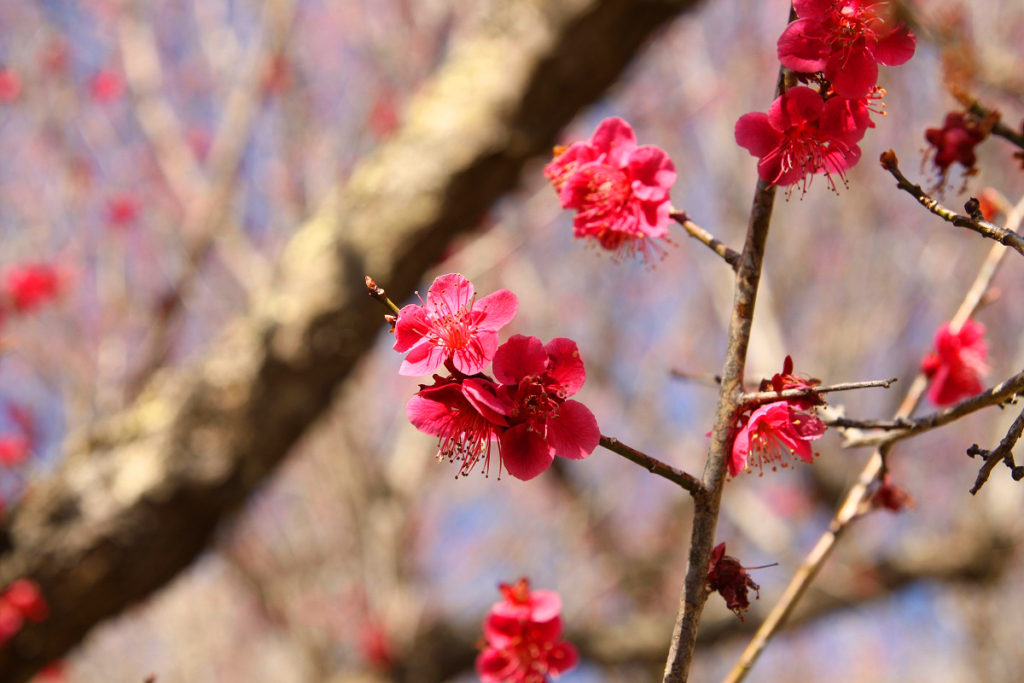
(523, 413)
(618, 189)
(836, 45)
(21, 602)
(523, 634)
(774, 433)
(730, 579)
(956, 366)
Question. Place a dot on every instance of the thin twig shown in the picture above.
(850, 423)
(655, 466)
(731, 256)
(377, 292)
(853, 504)
(769, 396)
(1000, 393)
(1001, 453)
(998, 127)
(705, 378)
(982, 227)
(207, 215)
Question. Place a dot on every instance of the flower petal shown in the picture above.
(450, 293)
(546, 605)
(524, 453)
(423, 360)
(495, 310)
(428, 416)
(740, 451)
(845, 119)
(411, 327)
(482, 395)
(803, 46)
(798, 106)
(811, 8)
(653, 173)
(854, 73)
(477, 353)
(756, 135)
(614, 138)
(561, 658)
(519, 357)
(896, 48)
(565, 366)
(573, 433)
(494, 666)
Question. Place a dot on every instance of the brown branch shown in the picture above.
(903, 428)
(849, 423)
(706, 509)
(655, 466)
(758, 397)
(697, 377)
(853, 504)
(705, 520)
(1001, 453)
(134, 503)
(998, 127)
(731, 256)
(984, 228)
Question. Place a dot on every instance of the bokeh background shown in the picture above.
(364, 559)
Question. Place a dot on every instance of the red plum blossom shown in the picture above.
(524, 644)
(957, 364)
(802, 135)
(620, 190)
(537, 381)
(847, 40)
(775, 433)
(463, 415)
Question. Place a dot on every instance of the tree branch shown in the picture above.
(1001, 453)
(655, 466)
(135, 502)
(758, 397)
(982, 227)
(705, 519)
(852, 505)
(731, 256)
(904, 428)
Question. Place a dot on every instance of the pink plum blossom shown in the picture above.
(773, 434)
(452, 325)
(847, 40)
(802, 135)
(957, 364)
(536, 382)
(520, 602)
(620, 190)
(523, 645)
